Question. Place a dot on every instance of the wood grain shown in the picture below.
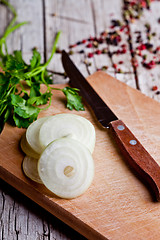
(117, 203)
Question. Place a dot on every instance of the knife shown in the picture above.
(133, 151)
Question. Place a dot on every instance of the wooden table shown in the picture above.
(130, 53)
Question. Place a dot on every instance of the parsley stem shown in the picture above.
(50, 101)
(59, 89)
(9, 29)
(53, 48)
(41, 69)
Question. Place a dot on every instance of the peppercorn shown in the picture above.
(98, 52)
(89, 45)
(154, 88)
(90, 55)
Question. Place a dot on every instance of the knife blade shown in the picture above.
(136, 155)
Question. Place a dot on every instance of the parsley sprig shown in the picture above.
(20, 83)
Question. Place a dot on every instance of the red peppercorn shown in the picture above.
(154, 88)
(124, 50)
(84, 41)
(89, 45)
(90, 55)
(123, 45)
(115, 66)
(143, 3)
(141, 47)
(98, 52)
(120, 62)
(152, 63)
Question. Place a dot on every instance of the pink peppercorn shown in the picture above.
(98, 52)
(89, 45)
(123, 45)
(123, 50)
(90, 55)
(154, 88)
(115, 66)
(84, 41)
(143, 3)
(142, 47)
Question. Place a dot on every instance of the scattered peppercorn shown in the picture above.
(154, 88)
(90, 55)
(132, 10)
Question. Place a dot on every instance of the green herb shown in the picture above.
(17, 103)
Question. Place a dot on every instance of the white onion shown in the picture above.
(30, 168)
(32, 135)
(67, 125)
(66, 168)
(26, 148)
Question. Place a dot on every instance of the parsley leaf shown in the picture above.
(40, 100)
(73, 99)
(36, 59)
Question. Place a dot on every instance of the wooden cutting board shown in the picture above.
(117, 205)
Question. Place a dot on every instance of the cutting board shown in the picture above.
(117, 205)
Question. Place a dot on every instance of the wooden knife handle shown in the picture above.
(137, 156)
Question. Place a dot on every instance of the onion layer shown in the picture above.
(66, 168)
(67, 125)
(30, 168)
(26, 148)
(32, 135)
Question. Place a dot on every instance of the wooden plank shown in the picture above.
(30, 35)
(3, 19)
(147, 77)
(67, 17)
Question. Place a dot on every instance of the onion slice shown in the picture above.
(26, 148)
(32, 135)
(29, 166)
(67, 125)
(66, 168)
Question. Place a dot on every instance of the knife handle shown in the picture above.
(137, 156)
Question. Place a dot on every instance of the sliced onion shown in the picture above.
(66, 168)
(30, 168)
(26, 148)
(32, 135)
(67, 125)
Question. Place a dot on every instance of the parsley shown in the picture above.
(74, 100)
(16, 103)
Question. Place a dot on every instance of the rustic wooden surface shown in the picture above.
(78, 20)
(117, 202)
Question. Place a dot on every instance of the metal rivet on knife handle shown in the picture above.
(121, 127)
(138, 158)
